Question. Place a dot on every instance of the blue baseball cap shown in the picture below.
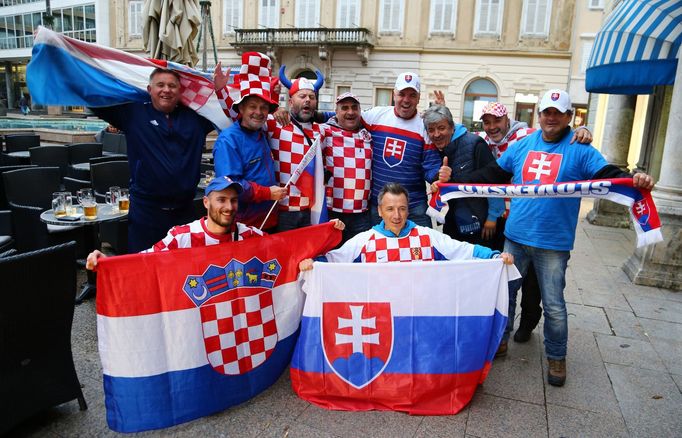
(221, 183)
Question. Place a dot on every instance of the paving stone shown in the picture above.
(491, 416)
(618, 274)
(656, 308)
(587, 318)
(295, 430)
(569, 422)
(611, 300)
(678, 380)
(631, 352)
(582, 347)
(571, 293)
(587, 388)
(671, 295)
(444, 425)
(650, 401)
(519, 375)
(670, 352)
(625, 324)
(372, 423)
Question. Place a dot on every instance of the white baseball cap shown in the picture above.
(407, 80)
(555, 99)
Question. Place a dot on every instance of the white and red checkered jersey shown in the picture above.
(288, 145)
(420, 243)
(498, 149)
(195, 234)
(348, 158)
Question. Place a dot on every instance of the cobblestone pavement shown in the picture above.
(624, 374)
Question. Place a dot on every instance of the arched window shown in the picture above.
(477, 94)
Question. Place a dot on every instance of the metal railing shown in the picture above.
(303, 37)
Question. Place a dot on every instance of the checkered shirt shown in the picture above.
(288, 147)
(414, 246)
(195, 234)
(348, 157)
(239, 334)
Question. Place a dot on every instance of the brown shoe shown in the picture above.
(501, 350)
(556, 374)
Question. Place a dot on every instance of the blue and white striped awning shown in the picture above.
(636, 48)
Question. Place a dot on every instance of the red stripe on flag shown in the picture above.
(435, 394)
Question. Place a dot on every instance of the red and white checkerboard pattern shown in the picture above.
(414, 246)
(239, 334)
(195, 234)
(288, 147)
(254, 63)
(348, 157)
(195, 91)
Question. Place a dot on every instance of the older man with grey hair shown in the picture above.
(473, 220)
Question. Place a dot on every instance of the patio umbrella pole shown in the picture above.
(206, 27)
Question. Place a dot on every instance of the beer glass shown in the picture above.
(123, 201)
(59, 204)
(112, 196)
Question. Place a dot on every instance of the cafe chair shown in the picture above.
(109, 174)
(3, 169)
(21, 142)
(82, 152)
(37, 370)
(51, 156)
(107, 158)
(103, 176)
(113, 143)
(6, 240)
(8, 160)
(29, 193)
(73, 185)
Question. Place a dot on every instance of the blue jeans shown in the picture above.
(550, 267)
(417, 214)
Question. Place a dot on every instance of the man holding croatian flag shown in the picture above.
(165, 110)
(541, 232)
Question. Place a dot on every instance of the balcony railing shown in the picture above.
(339, 37)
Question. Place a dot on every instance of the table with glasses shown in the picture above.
(105, 213)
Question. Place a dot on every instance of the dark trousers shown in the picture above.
(149, 222)
(531, 311)
(355, 223)
(292, 220)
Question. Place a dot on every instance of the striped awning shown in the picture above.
(636, 48)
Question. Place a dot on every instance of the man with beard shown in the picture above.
(221, 199)
(347, 153)
(242, 151)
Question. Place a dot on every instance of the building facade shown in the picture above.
(473, 50)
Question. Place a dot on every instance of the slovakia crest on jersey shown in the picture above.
(641, 211)
(237, 314)
(541, 167)
(357, 339)
(394, 150)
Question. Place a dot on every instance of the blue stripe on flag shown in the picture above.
(85, 85)
(142, 403)
(462, 342)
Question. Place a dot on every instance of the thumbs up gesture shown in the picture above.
(444, 172)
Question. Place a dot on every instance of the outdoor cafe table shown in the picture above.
(105, 213)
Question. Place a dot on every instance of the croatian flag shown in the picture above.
(190, 332)
(396, 336)
(619, 190)
(66, 71)
(309, 178)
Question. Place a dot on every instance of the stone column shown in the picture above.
(9, 81)
(620, 113)
(660, 265)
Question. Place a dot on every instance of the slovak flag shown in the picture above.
(189, 332)
(309, 178)
(395, 336)
(67, 71)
